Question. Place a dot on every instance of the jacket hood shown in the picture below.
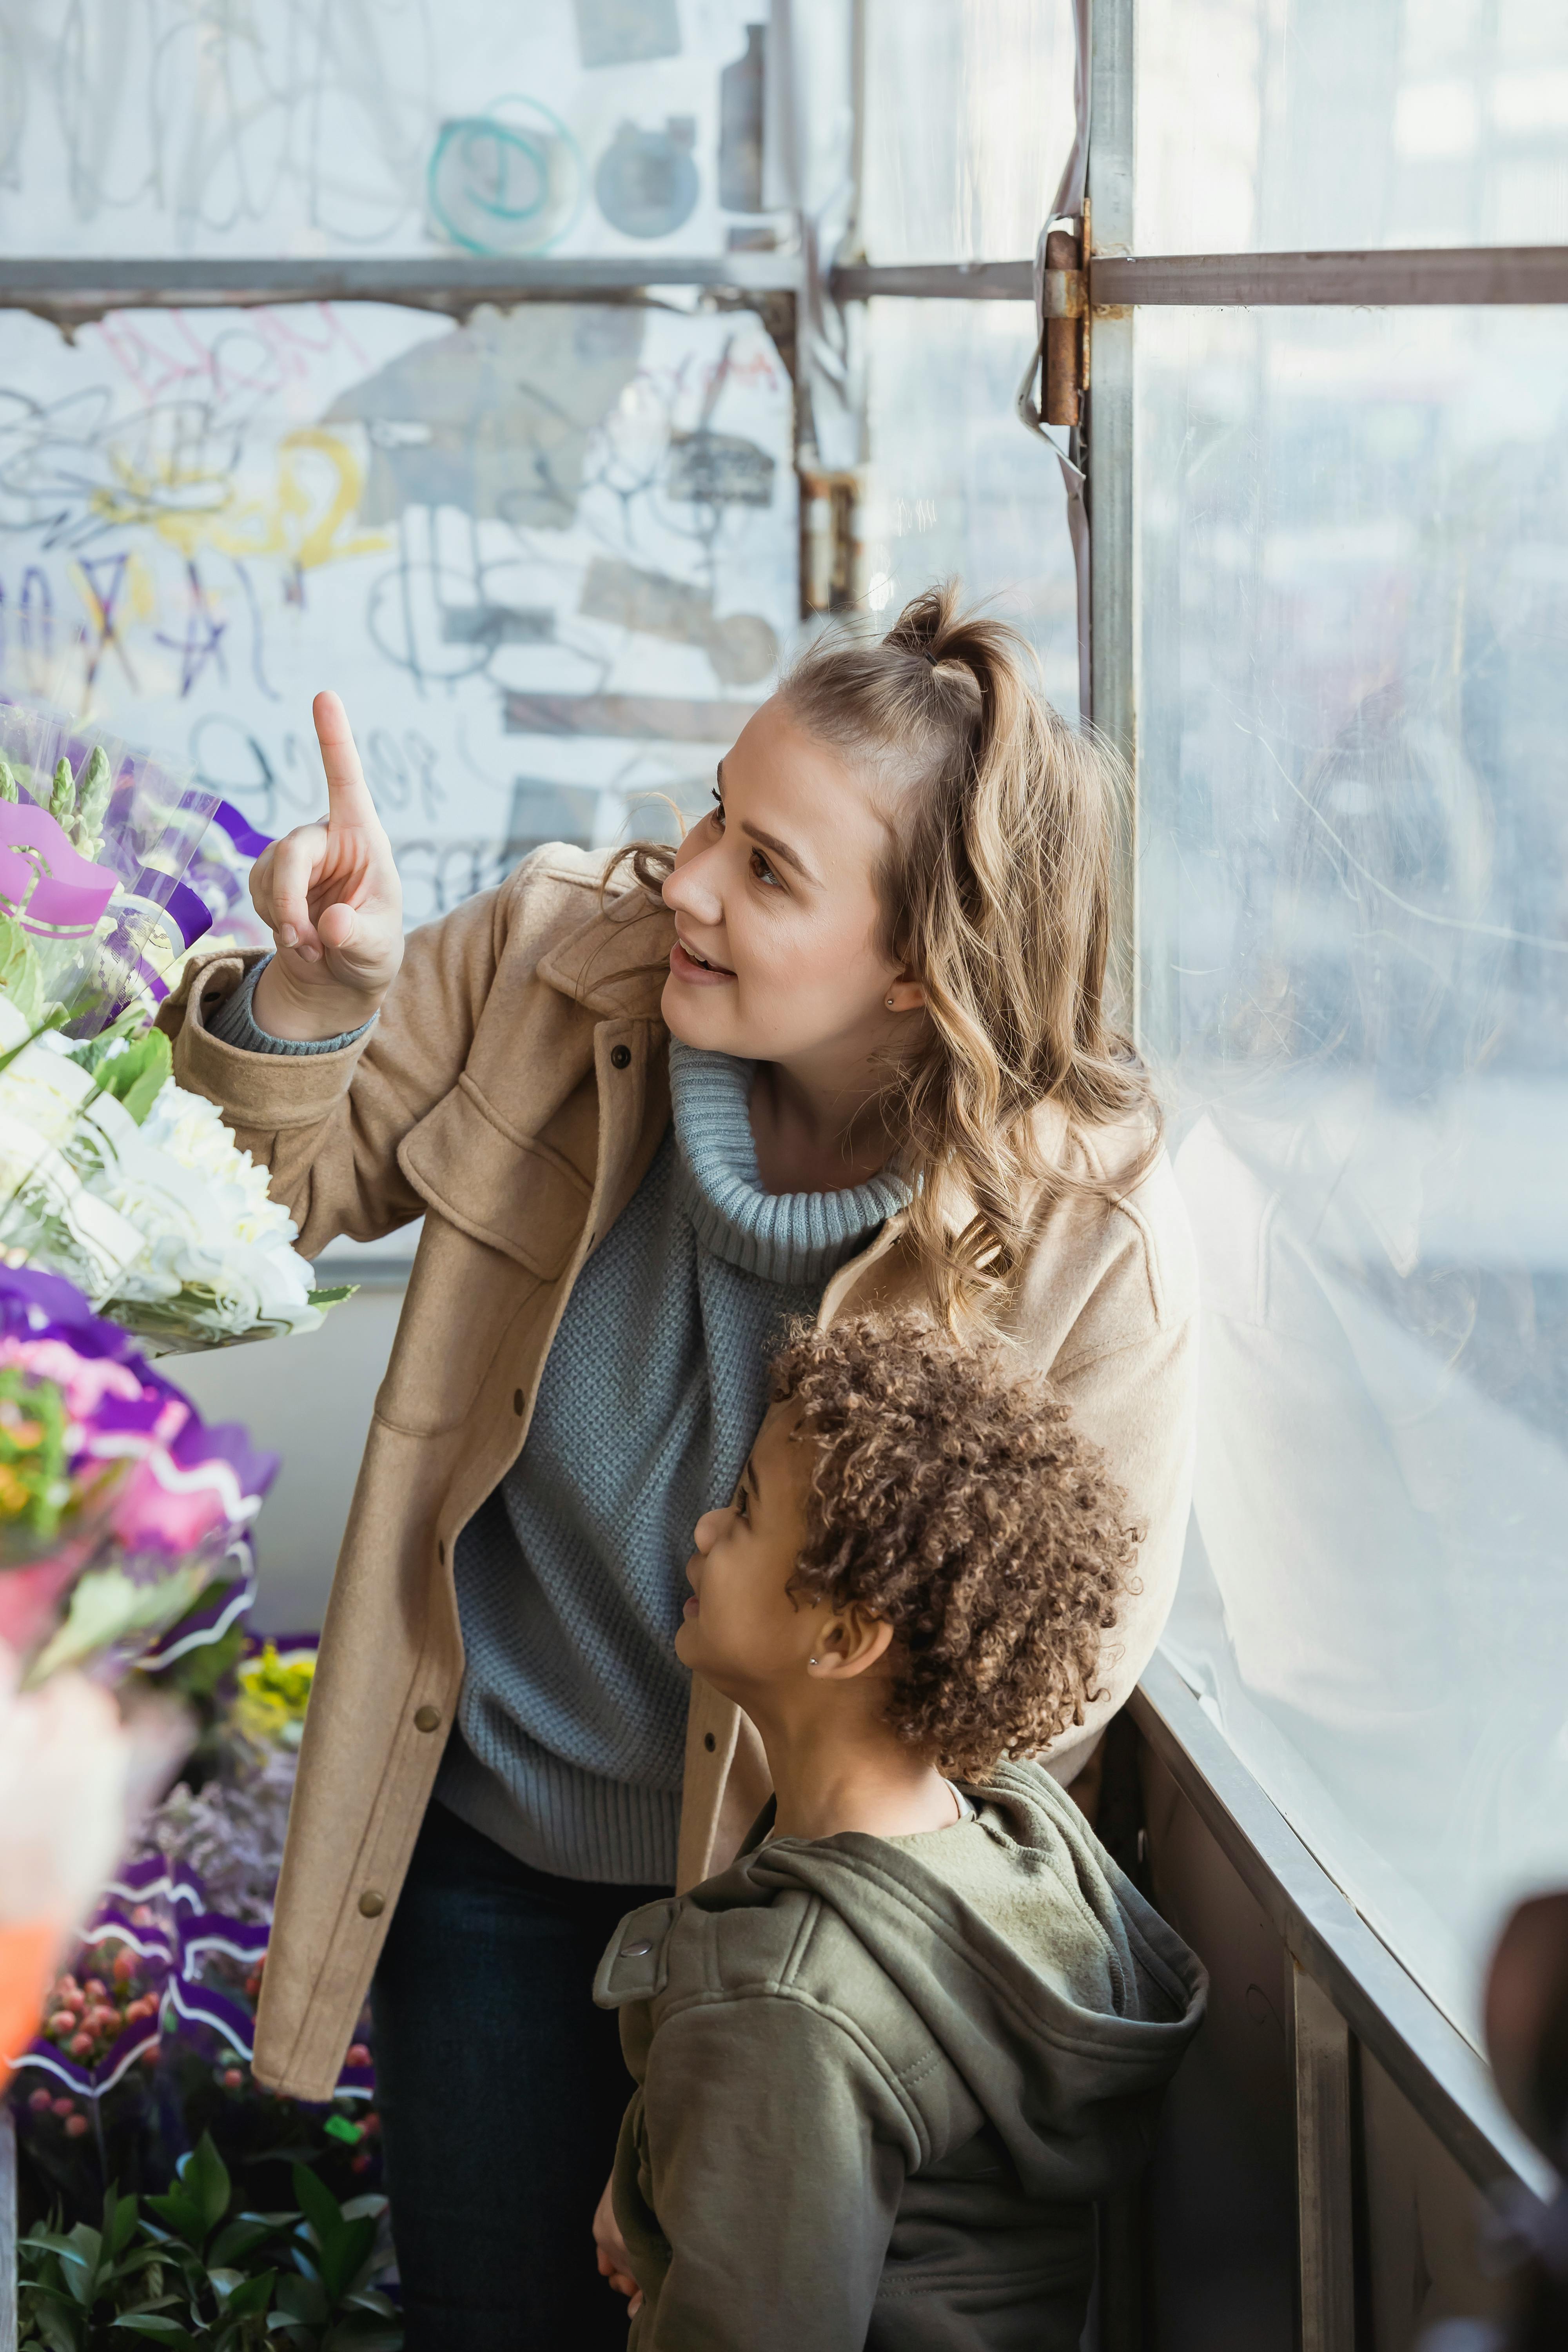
(1057, 1994)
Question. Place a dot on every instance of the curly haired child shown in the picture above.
(885, 2062)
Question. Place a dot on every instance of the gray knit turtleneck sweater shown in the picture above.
(571, 1578)
(572, 1724)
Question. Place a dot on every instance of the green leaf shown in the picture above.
(333, 1297)
(302, 2301)
(362, 2335)
(239, 2239)
(151, 2322)
(182, 2215)
(204, 2177)
(253, 2294)
(118, 2222)
(318, 2205)
(373, 2204)
(137, 1077)
(9, 790)
(58, 2331)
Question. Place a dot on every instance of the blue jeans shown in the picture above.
(501, 2089)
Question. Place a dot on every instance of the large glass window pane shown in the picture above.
(1354, 708)
(1268, 124)
(564, 126)
(548, 559)
(955, 487)
(969, 118)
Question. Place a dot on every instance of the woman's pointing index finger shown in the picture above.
(348, 795)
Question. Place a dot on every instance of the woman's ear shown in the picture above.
(906, 994)
(851, 1643)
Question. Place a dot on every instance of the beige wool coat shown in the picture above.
(513, 1094)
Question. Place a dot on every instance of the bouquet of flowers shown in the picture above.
(109, 1173)
(125, 1544)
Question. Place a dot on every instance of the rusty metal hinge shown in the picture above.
(1066, 328)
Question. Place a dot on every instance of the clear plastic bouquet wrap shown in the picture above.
(125, 1542)
(109, 1173)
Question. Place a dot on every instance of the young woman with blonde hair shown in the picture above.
(847, 1045)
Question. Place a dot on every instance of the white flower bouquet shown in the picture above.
(110, 1174)
(115, 1177)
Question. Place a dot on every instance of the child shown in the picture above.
(886, 2060)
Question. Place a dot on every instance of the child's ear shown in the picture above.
(852, 1642)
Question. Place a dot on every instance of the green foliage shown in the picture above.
(35, 1470)
(9, 789)
(62, 794)
(137, 1077)
(204, 2278)
(334, 1297)
(21, 974)
(92, 802)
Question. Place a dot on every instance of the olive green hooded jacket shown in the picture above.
(880, 2081)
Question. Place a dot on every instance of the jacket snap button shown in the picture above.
(441, 1550)
(709, 1742)
(517, 1402)
(426, 1718)
(635, 1951)
(371, 1903)
(620, 1056)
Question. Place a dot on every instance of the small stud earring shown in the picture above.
(811, 1661)
(890, 1003)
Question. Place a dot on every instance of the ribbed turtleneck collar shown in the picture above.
(785, 1237)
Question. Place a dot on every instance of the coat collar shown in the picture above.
(615, 962)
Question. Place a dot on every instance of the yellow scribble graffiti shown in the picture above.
(305, 518)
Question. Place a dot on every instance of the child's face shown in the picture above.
(744, 1629)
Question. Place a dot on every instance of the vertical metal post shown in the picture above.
(10, 2316)
(1321, 2049)
(1111, 494)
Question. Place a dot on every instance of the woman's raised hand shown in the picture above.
(329, 894)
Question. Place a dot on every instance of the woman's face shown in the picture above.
(777, 956)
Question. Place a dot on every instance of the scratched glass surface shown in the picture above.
(1353, 825)
(310, 127)
(1265, 124)
(955, 487)
(548, 559)
(969, 117)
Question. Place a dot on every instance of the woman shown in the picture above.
(848, 1044)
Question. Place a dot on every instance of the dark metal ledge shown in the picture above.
(1445, 2080)
(456, 282)
(1520, 273)
(955, 281)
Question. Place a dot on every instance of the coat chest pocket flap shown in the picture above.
(513, 1193)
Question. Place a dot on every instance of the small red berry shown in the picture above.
(124, 1967)
(149, 2056)
(75, 2127)
(40, 2102)
(95, 1988)
(370, 2125)
(80, 2044)
(359, 2163)
(233, 2079)
(358, 2054)
(63, 2021)
(64, 2106)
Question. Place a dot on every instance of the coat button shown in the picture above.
(441, 1550)
(620, 1058)
(709, 1742)
(635, 1951)
(371, 1904)
(426, 1718)
(517, 1402)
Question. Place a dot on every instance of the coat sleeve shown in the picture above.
(329, 1125)
(772, 2153)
